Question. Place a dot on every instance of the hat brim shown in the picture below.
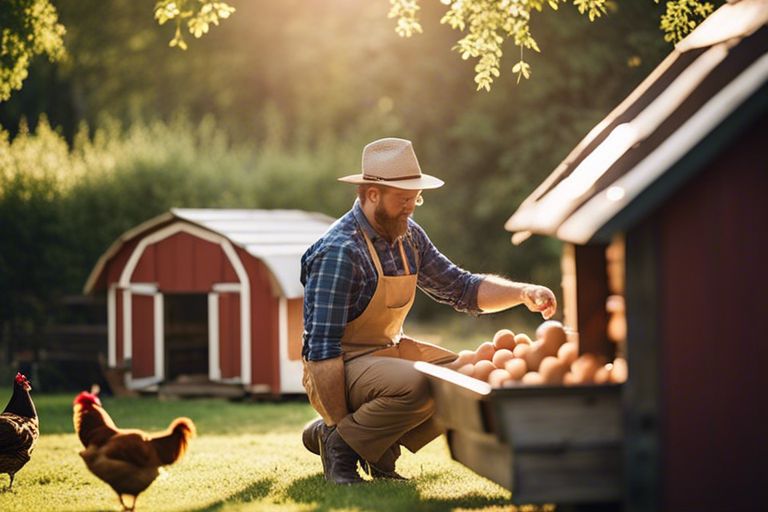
(423, 183)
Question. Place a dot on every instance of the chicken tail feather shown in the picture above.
(171, 446)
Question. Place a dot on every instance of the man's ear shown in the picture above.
(373, 194)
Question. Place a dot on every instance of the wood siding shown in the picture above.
(229, 335)
(714, 276)
(183, 263)
(265, 356)
(143, 336)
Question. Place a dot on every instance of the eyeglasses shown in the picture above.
(404, 201)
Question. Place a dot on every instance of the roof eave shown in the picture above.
(98, 269)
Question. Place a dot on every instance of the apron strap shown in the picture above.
(374, 254)
(377, 261)
(406, 266)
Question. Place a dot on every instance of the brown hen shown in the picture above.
(127, 459)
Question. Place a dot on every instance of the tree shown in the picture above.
(31, 27)
(489, 23)
(200, 15)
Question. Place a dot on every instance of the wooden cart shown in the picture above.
(546, 444)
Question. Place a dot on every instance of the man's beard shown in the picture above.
(393, 226)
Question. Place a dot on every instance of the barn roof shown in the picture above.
(694, 103)
(276, 237)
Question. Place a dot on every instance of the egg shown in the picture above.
(521, 350)
(516, 368)
(568, 352)
(483, 368)
(504, 339)
(552, 370)
(498, 377)
(533, 379)
(465, 357)
(467, 369)
(545, 326)
(552, 337)
(603, 374)
(569, 379)
(501, 357)
(485, 351)
(522, 339)
(584, 368)
(617, 327)
(620, 371)
(545, 349)
(537, 352)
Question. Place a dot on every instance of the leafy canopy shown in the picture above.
(199, 14)
(487, 24)
(29, 28)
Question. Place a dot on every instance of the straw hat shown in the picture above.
(392, 162)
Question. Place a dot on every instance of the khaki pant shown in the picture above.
(392, 404)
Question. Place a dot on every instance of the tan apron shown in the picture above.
(379, 328)
(376, 386)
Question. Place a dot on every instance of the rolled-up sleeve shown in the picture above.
(329, 278)
(444, 281)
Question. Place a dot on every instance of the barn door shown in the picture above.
(144, 334)
(224, 343)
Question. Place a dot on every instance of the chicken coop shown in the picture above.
(209, 295)
(662, 210)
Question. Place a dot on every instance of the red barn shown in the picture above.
(663, 209)
(209, 292)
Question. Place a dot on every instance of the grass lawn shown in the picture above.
(247, 456)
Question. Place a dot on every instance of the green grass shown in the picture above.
(247, 457)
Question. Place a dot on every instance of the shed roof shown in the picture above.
(695, 102)
(276, 237)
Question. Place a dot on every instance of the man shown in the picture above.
(360, 280)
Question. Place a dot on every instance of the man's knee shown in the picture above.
(416, 388)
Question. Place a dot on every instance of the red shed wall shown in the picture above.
(265, 357)
(713, 280)
(229, 335)
(143, 336)
(184, 263)
(115, 266)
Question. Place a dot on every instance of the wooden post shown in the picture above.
(591, 294)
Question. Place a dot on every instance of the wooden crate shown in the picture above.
(546, 444)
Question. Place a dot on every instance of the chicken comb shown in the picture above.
(20, 378)
(86, 399)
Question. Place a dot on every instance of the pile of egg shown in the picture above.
(513, 359)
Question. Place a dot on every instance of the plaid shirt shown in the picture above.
(339, 278)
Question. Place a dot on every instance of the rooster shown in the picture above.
(19, 429)
(127, 459)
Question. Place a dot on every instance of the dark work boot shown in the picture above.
(311, 435)
(339, 459)
(385, 466)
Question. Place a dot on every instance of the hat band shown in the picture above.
(379, 178)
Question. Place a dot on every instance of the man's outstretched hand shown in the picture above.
(540, 299)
